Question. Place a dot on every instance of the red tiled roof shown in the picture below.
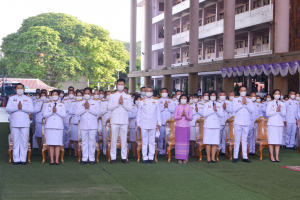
(30, 83)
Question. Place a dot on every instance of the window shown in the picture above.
(161, 6)
(178, 30)
(161, 60)
(200, 22)
(266, 40)
(246, 43)
(178, 55)
(210, 50)
(159, 83)
(210, 19)
(199, 52)
(256, 4)
(221, 47)
(239, 10)
(161, 32)
(221, 15)
(247, 7)
(266, 2)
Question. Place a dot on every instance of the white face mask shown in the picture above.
(164, 95)
(231, 98)
(87, 96)
(293, 96)
(206, 98)
(50, 98)
(136, 102)
(43, 98)
(268, 99)
(213, 98)
(195, 100)
(222, 98)
(61, 95)
(96, 96)
(149, 94)
(281, 97)
(71, 96)
(143, 93)
(101, 96)
(258, 100)
(79, 98)
(253, 98)
(178, 96)
(191, 101)
(20, 92)
(183, 101)
(107, 97)
(243, 94)
(297, 98)
(55, 98)
(277, 96)
(120, 87)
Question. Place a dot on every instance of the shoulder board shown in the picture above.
(28, 95)
(190, 104)
(236, 96)
(73, 101)
(66, 98)
(37, 101)
(258, 102)
(287, 100)
(174, 99)
(80, 100)
(206, 101)
(201, 103)
(155, 98)
(61, 102)
(219, 101)
(113, 92)
(170, 98)
(95, 99)
(142, 99)
(47, 101)
(229, 100)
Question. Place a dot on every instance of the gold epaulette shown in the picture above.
(236, 96)
(62, 102)
(287, 100)
(206, 101)
(95, 99)
(155, 98)
(47, 101)
(201, 103)
(170, 98)
(80, 100)
(142, 99)
(113, 92)
(74, 101)
(28, 95)
(190, 104)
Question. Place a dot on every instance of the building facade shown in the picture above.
(203, 45)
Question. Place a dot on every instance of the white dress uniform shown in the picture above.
(292, 116)
(106, 114)
(242, 122)
(132, 116)
(54, 122)
(196, 115)
(166, 113)
(34, 100)
(19, 125)
(257, 112)
(223, 119)
(148, 116)
(119, 122)
(88, 127)
(211, 135)
(275, 122)
(264, 108)
(68, 103)
(74, 121)
(38, 111)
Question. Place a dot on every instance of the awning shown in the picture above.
(280, 68)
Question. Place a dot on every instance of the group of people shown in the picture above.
(61, 113)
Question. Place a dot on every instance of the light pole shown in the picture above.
(118, 73)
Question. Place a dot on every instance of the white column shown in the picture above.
(229, 29)
(218, 8)
(217, 49)
(271, 38)
(148, 39)
(282, 25)
(132, 81)
(194, 32)
(250, 42)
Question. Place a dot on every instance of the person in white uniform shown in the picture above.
(296, 145)
(212, 112)
(68, 101)
(132, 117)
(292, 110)
(197, 113)
(19, 107)
(54, 112)
(119, 104)
(231, 97)
(264, 105)
(177, 96)
(106, 114)
(166, 111)
(149, 120)
(74, 122)
(276, 112)
(226, 105)
(254, 115)
(243, 107)
(88, 110)
(38, 110)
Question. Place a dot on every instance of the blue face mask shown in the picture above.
(143, 93)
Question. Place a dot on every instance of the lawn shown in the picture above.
(163, 180)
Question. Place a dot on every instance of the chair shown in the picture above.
(108, 140)
(45, 146)
(261, 136)
(229, 142)
(80, 146)
(139, 144)
(10, 149)
(170, 141)
(99, 135)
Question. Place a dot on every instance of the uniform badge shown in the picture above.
(24, 100)
(209, 106)
(169, 101)
(161, 102)
(125, 98)
(154, 102)
(60, 105)
(49, 105)
(239, 101)
(15, 99)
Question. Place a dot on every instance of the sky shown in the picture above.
(113, 15)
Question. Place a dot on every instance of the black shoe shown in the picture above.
(213, 161)
(295, 148)
(276, 161)
(234, 160)
(23, 163)
(272, 160)
(161, 155)
(145, 161)
(92, 163)
(124, 161)
(51, 163)
(16, 163)
(251, 154)
(113, 162)
(83, 162)
(222, 154)
(151, 161)
(208, 161)
(57, 163)
(246, 160)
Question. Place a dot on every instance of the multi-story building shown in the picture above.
(216, 44)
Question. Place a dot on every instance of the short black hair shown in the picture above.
(164, 89)
(71, 87)
(253, 92)
(143, 87)
(19, 84)
(101, 90)
(53, 91)
(292, 91)
(121, 80)
(195, 95)
(222, 91)
(243, 86)
(71, 91)
(136, 97)
(275, 91)
(178, 91)
(78, 91)
(126, 88)
(213, 92)
(184, 95)
(38, 89)
(87, 88)
(44, 93)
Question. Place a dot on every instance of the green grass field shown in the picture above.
(163, 180)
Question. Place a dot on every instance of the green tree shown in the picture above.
(57, 47)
